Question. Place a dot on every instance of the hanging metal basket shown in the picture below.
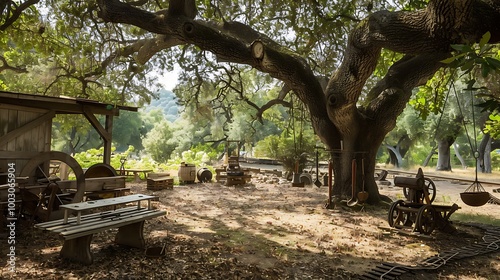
(475, 195)
(475, 198)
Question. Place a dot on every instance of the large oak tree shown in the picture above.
(350, 129)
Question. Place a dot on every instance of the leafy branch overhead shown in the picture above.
(422, 35)
(289, 43)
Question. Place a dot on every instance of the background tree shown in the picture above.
(157, 142)
(408, 131)
(128, 131)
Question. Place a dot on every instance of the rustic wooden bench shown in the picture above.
(77, 231)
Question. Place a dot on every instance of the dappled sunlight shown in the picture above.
(294, 219)
(262, 229)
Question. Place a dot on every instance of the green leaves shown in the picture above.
(469, 57)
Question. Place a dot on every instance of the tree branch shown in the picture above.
(425, 35)
(14, 13)
(5, 66)
(229, 45)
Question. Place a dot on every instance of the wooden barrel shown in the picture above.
(187, 173)
(204, 175)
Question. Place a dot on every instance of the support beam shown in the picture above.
(107, 143)
(104, 132)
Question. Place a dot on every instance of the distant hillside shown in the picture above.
(167, 102)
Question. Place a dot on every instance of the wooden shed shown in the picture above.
(26, 125)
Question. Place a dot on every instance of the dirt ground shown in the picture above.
(265, 229)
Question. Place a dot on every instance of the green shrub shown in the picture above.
(287, 150)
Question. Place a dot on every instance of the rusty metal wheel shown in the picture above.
(426, 220)
(431, 188)
(29, 170)
(395, 217)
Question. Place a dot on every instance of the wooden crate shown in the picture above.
(156, 175)
(161, 183)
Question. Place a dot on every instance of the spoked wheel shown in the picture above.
(426, 220)
(35, 163)
(429, 186)
(396, 216)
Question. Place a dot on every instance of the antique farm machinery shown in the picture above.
(41, 193)
(417, 213)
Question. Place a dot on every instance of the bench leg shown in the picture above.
(131, 235)
(77, 249)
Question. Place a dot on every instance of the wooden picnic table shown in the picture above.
(136, 172)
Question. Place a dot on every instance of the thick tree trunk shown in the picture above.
(364, 150)
(395, 157)
(444, 162)
(484, 159)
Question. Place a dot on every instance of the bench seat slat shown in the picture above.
(97, 221)
(87, 205)
(94, 220)
(83, 217)
(112, 224)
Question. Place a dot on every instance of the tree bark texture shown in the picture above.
(424, 36)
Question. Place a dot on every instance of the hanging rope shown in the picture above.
(442, 111)
(441, 116)
(474, 195)
(472, 148)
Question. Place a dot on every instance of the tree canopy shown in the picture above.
(328, 54)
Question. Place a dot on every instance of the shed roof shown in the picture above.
(62, 105)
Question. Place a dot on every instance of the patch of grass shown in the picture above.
(476, 218)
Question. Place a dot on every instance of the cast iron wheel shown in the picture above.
(395, 217)
(426, 220)
(431, 188)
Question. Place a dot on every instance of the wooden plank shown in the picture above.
(5, 107)
(4, 120)
(98, 222)
(106, 202)
(18, 131)
(112, 224)
(47, 134)
(96, 124)
(11, 125)
(108, 125)
(24, 139)
(156, 175)
(96, 184)
(84, 218)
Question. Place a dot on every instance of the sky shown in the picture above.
(169, 79)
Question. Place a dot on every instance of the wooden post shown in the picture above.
(107, 141)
